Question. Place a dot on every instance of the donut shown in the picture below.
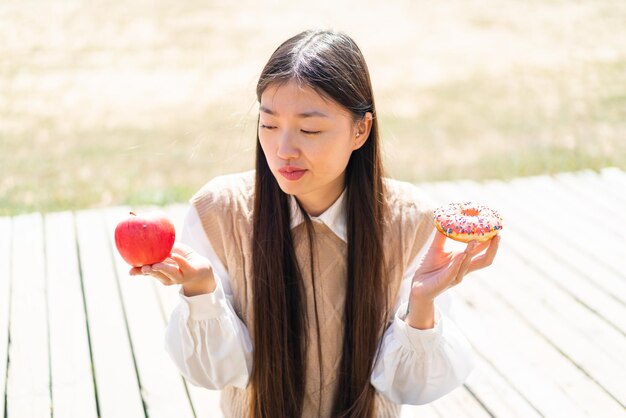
(467, 221)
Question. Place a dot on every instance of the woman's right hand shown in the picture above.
(185, 267)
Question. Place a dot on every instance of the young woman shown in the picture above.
(310, 286)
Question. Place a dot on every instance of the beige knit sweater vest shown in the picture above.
(225, 207)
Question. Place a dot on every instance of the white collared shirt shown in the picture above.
(333, 217)
(212, 348)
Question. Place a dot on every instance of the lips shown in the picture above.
(290, 169)
(292, 173)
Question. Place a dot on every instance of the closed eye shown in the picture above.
(266, 126)
(310, 132)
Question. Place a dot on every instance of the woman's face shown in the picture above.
(299, 130)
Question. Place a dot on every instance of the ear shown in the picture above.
(362, 131)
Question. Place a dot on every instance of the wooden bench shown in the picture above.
(80, 338)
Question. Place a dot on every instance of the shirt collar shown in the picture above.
(334, 217)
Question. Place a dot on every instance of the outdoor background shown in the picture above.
(141, 102)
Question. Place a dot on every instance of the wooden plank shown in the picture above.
(168, 299)
(5, 294)
(498, 395)
(592, 257)
(615, 195)
(459, 403)
(558, 253)
(28, 385)
(116, 378)
(577, 346)
(585, 195)
(73, 391)
(553, 385)
(162, 386)
(419, 411)
(563, 271)
(206, 402)
(603, 200)
(575, 196)
(569, 329)
(579, 216)
(562, 255)
(615, 177)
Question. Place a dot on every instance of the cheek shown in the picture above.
(333, 159)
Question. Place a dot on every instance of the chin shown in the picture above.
(287, 188)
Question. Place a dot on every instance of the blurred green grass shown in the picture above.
(141, 103)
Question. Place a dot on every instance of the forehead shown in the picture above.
(294, 98)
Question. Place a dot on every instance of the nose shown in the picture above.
(287, 147)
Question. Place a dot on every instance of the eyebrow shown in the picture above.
(310, 114)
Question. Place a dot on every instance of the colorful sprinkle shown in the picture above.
(467, 221)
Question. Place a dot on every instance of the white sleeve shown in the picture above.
(205, 338)
(418, 366)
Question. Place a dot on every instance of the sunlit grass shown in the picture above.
(105, 105)
(531, 122)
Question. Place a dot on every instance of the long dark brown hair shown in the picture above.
(332, 65)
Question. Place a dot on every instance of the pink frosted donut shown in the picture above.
(467, 221)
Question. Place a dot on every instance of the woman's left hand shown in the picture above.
(440, 270)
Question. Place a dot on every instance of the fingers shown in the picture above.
(473, 248)
(438, 241)
(478, 248)
(181, 249)
(459, 260)
(486, 259)
(182, 262)
(151, 271)
(175, 269)
(160, 276)
(172, 272)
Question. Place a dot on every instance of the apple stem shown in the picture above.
(133, 213)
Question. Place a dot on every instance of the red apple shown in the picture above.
(145, 238)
